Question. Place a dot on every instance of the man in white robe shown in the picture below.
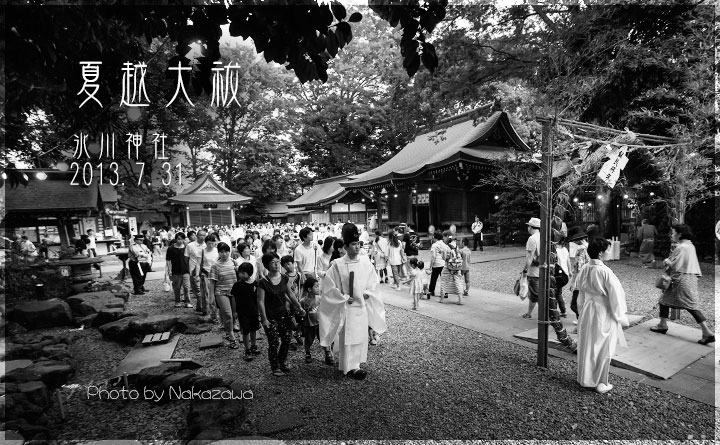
(345, 312)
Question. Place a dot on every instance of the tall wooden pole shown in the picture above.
(545, 232)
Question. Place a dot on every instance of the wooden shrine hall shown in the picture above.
(205, 202)
(431, 180)
(60, 209)
(328, 202)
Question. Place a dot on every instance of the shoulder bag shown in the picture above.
(663, 281)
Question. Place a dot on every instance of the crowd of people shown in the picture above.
(598, 298)
(278, 279)
(302, 283)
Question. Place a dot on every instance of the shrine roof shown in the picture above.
(321, 191)
(458, 140)
(56, 193)
(207, 190)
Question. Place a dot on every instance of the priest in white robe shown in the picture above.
(602, 306)
(346, 310)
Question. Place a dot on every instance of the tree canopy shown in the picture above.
(45, 45)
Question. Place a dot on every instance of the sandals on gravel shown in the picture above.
(278, 373)
(233, 345)
(357, 374)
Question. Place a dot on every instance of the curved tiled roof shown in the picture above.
(462, 141)
(207, 190)
(323, 190)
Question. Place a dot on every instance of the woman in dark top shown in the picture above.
(273, 292)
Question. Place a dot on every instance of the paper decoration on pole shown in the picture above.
(610, 171)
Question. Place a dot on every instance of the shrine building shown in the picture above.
(205, 202)
(431, 181)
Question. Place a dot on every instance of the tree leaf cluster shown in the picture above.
(365, 113)
(416, 22)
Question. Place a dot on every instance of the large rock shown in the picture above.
(153, 324)
(178, 381)
(107, 316)
(36, 393)
(87, 320)
(31, 348)
(94, 302)
(121, 291)
(97, 285)
(47, 339)
(20, 375)
(192, 325)
(202, 383)
(154, 375)
(42, 314)
(214, 413)
(56, 352)
(17, 406)
(120, 330)
(53, 373)
(12, 329)
(29, 430)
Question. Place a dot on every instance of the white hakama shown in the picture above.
(348, 323)
(602, 316)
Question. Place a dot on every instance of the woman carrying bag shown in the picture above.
(684, 269)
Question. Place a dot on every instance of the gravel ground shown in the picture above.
(639, 283)
(428, 380)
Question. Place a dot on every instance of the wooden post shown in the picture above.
(60, 404)
(545, 232)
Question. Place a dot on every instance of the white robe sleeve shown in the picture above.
(580, 286)
(331, 311)
(375, 305)
(616, 295)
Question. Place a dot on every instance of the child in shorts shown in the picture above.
(311, 326)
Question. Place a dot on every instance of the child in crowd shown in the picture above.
(373, 336)
(465, 270)
(288, 264)
(562, 273)
(246, 308)
(311, 326)
(378, 257)
(416, 279)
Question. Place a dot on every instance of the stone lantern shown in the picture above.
(78, 267)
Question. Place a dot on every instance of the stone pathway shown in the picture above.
(497, 315)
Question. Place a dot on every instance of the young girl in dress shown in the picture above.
(416, 280)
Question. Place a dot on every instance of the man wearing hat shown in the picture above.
(139, 264)
(532, 265)
(350, 303)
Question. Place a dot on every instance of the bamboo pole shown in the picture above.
(545, 221)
